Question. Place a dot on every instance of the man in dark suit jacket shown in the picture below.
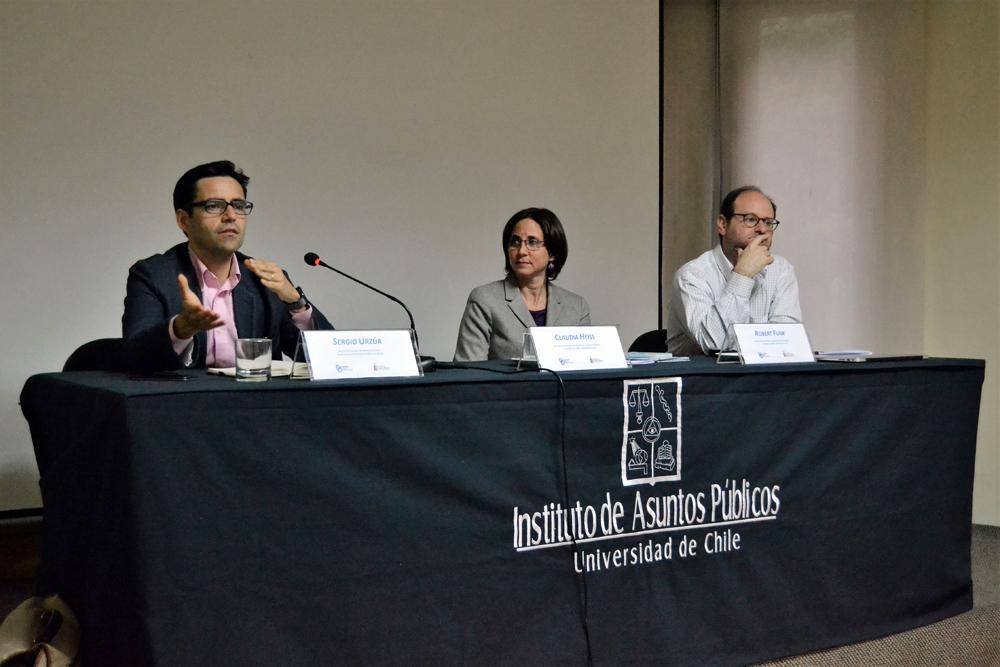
(167, 322)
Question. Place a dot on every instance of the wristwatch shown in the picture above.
(301, 304)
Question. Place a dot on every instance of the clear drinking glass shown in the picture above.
(253, 359)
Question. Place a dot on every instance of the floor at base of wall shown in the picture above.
(971, 639)
(20, 544)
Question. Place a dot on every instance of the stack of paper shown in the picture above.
(638, 358)
(843, 355)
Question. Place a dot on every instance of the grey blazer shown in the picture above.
(496, 319)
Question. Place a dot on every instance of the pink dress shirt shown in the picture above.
(221, 341)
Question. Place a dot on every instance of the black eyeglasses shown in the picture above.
(514, 243)
(218, 206)
(751, 220)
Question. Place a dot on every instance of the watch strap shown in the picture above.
(301, 304)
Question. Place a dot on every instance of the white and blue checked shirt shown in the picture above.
(708, 297)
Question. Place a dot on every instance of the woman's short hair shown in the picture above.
(552, 232)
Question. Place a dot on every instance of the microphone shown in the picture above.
(312, 259)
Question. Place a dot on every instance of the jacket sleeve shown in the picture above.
(289, 330)
(474, 332)
(147, 345)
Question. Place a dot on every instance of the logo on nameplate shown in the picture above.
(651, 434)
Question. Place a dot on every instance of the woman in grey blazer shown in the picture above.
(498, 314)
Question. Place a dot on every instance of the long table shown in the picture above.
(684, 513)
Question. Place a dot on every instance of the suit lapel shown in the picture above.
(187, 268)
(245, 307)
(516, 303)
(555, 306)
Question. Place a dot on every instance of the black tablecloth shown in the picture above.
(428, 520)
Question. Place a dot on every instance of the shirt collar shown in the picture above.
(206, 277)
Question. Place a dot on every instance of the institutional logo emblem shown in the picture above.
(651, 435)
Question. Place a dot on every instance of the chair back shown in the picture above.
(651, 341)
(103, 354)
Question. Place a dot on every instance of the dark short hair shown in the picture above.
(726, 208)
(552, 233)
(188, 183)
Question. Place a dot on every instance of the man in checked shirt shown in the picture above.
(738, 281)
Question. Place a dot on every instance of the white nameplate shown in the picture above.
(340, 354)
(578, 348)
(773, 343)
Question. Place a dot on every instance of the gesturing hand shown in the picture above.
(193, 317)
(273, 278)
(751, 260)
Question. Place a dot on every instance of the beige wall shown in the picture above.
(393, 137)
(690, 132)
(822, 106)
(875, 127)
(962, 239)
